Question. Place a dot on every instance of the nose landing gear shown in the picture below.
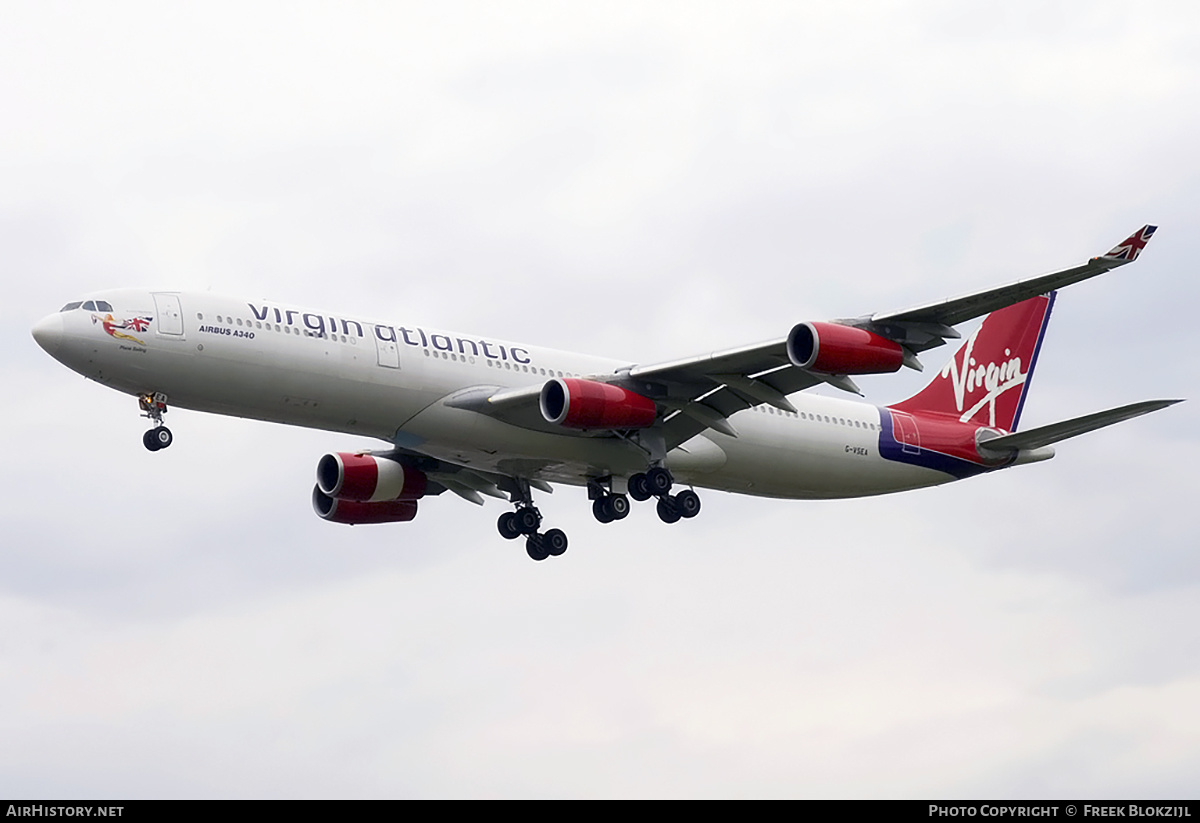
(154, 406)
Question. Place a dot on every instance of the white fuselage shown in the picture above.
(267, 361)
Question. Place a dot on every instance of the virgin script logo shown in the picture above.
(995, 378)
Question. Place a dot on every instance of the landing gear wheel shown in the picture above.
(687, 503)
(507, 526)
(668, 512)
(527, 520)
(554, 542)
(601, 510)
(535, 549)
(639, 489)
(659, 481)
(158, 438)
(610, 507)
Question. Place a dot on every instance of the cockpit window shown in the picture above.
(89, 306)
(103, 305)
(71, 306)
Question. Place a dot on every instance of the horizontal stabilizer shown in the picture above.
(1055, 432)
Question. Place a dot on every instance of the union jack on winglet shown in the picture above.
(1128, 250)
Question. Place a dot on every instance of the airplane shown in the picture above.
(476, 416)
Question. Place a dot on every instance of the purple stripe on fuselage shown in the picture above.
(890, 448)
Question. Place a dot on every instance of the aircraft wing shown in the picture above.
(694, 394)
(703, 391)
(926, 327)
(517, 406)
(698, 393)
(471, 484)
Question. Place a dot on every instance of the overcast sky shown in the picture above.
(644, 180)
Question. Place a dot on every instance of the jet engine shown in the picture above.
(834, 349)
(368, 478)
(586, 404)
(354, 512)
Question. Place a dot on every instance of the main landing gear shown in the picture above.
(657, 482)
(154, 406)
(525, 521)
(607, 506)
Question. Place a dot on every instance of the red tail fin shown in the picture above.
(987, 379)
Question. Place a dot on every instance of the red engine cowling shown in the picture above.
(836, 349)
(355, 513)
(586, 404)
(367, 478)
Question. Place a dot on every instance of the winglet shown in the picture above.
(1128, 250)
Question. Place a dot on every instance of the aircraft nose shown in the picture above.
(48, 332)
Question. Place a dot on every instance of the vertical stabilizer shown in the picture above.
(986, 380)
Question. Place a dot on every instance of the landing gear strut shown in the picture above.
(525, 521)
(154, 406)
